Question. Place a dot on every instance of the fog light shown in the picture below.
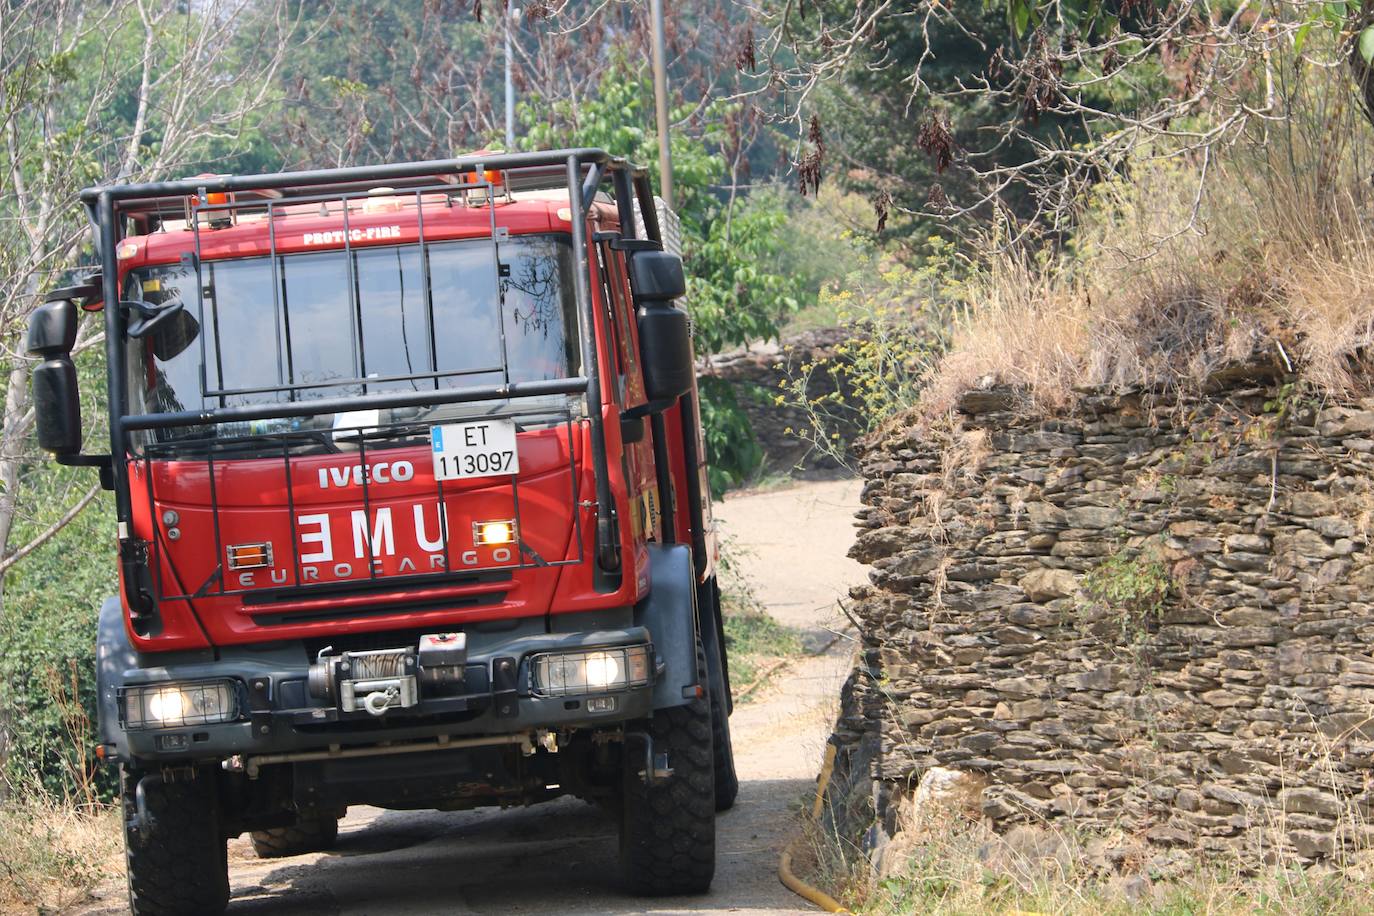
(177, 705)
(249, 556)
(557, 674)
(497, 532)
(173, 742)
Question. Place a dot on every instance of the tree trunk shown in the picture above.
(11, 453)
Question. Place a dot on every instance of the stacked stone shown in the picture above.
(1234, 716)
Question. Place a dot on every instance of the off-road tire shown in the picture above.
(308, 834)
(722, 751)
(177, 860)
(668, 827)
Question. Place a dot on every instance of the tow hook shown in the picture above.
(143, 818)
(379, 701)
(655, 765)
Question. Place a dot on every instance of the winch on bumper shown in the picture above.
(251, 702)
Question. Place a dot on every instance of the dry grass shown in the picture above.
(56, 847)
(1183, 267)
(957, 865)
(53, 854)
(972, 871)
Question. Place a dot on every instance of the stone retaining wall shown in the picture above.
(1148, 616)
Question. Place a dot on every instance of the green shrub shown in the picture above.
(1130, 587)
(47, 658)
(733, 453)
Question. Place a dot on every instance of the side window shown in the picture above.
(537, 307)
(622, 308)
(614, 329)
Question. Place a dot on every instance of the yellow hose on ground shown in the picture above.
(794, 884)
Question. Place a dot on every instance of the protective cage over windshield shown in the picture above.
(346, 497)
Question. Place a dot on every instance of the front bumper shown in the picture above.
(276, 713)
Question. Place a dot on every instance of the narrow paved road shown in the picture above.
(561, 857)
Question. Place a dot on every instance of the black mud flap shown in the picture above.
(670, 615)
(113, 656)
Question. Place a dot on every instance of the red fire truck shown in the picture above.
(409, 481)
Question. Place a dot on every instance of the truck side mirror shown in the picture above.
(665, 350)
(656, 275)
(665, 333)
(56, 400)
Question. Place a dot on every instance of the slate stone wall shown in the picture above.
(1150, 616)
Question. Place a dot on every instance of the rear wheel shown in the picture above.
(315, 833)
(668, 825)
(175, 854)
(723, 756)
(712, 659)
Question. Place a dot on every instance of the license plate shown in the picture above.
(484, 448)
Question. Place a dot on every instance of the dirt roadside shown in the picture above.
(560, 857)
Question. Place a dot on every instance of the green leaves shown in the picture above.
(732, 452)
(735, 292)
(1366, 45)
(1019, 13)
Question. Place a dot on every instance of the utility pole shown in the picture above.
(512, 17)
(665, 159)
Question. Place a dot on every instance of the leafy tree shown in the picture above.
(90, 92)
(731, 247)
(1020, 104)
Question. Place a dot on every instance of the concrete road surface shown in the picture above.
(561, 857)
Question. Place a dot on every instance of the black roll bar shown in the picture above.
(575, 385)
(109, 206)
(607, 536)
(360, 175)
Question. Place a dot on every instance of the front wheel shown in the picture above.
(176, 856)
(668, 825)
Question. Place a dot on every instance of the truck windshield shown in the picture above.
(347, 323)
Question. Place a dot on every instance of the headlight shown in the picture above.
(179, 705)
(557, 674)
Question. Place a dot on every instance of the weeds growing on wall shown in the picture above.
(1128, 589)
(950, 864)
